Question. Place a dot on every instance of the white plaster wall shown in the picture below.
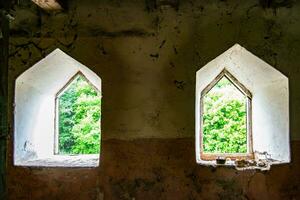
(270, 102)
(35, 93)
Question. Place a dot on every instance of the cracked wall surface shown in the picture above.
(154, 169)
(147, 54)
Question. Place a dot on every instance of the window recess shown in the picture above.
(36, 114)
(266, 113)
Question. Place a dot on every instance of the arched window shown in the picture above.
(226, 119)
(57, 114)
(78, 112)
(242, 112)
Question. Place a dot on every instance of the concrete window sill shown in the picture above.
(262, 165)
(62, 161)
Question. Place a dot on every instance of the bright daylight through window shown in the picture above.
(225, 121)
(78, 118)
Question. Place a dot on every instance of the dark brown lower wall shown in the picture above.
(154, 169)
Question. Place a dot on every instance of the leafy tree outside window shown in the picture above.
(224, 119)
(79, 114)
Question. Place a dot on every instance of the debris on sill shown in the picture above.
(262, 161)
(252, 164)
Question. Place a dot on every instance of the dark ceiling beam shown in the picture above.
(49, 5)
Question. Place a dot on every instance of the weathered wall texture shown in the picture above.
(4, 43)
(149, 169)
(147, 56)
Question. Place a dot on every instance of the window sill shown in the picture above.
(62, 161)
(262, 165)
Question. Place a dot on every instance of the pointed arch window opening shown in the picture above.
(206, 154)
(59, 94)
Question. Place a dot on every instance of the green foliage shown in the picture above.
(79, 110)
(224, 119)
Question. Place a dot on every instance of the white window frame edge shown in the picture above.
(248, 95)
(56, 115)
